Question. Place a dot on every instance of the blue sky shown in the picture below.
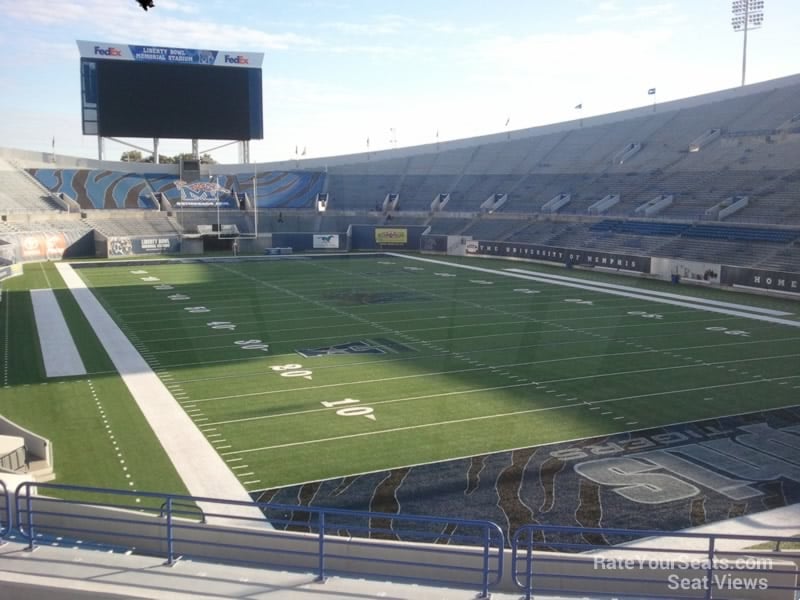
(337, 72)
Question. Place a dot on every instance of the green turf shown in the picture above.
(98, 439)
(469, 367)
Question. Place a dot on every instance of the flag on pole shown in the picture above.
(651, 92)
(508, 120)
(53, 144)
(295, 150)
(304, 151)
(367, 142)
(578, 106)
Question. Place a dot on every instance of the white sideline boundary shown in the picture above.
(627, 288)
(59, 353)
(202, 470)
(582, 284)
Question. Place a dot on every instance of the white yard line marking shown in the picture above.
(7, 300)
(625, 288)
(541, 383)
(640, 294)
(487, 417)
(200, 467)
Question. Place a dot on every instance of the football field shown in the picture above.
(305, 369)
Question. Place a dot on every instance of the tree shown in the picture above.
(136, 156)
(206, 158)
(131, 156)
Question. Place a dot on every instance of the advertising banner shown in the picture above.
(161, 54)
(125, 246)
(327, 242)
(761, 279)
(392, 236)
(41, 246)
(564, 256)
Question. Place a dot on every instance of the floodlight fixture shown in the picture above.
(746, 15)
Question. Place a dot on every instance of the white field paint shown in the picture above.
(59, 353)
(743, 312)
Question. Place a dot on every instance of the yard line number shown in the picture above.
(253, 344)
(349, 407)
(727, 331)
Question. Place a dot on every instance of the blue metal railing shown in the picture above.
(5, 511)
(606, 559)
(323, 541)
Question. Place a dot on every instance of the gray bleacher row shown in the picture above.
(750, 157)
(19, 193)
(755, 155)
(124, 223)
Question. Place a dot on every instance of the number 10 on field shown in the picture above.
(349, 409)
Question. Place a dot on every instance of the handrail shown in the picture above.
(184, 508)
(5, 523)
(703, 568)
(338, 541)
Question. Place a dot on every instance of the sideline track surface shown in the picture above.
(202, 470)
(59, 353)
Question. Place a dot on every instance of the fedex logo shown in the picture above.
(237, 60)
(111, 51)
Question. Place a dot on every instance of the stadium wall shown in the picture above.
(749, 279)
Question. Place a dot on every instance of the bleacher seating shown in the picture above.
(754, 155)
(19, 193)
(118, 223)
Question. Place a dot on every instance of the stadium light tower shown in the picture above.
(747, 14)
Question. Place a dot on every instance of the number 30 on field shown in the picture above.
(350, 411)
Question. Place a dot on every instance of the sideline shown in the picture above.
(584, 285)
(59, 353)
(202, 470)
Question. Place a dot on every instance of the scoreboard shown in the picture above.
(159, 92)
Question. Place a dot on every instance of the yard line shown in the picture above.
(481, 418)
(578, 284)
(601, 284)
(423, 356)
(547, 381)
(399, 377)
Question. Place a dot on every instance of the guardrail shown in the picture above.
(454, 552)
(5, 511)
(651, 564)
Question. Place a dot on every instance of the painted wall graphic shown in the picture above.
(391, 236)
(589, 258)
(327, 242)
(671, 477)
(761, 279)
